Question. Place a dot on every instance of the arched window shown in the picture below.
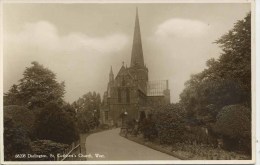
(127, 95)
(123, 81)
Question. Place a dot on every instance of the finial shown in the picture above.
(111, 70)
(123, 63)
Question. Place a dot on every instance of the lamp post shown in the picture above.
(124, 121)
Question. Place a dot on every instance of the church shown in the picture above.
(129, 91)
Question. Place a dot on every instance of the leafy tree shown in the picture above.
(11, 97)
(234, 124)
(88, 111)
(22, 116)
(235, 61)
(86, 121)
(89, 102)
(226, 80)
(37, 87)
(16, 139)
(54, 124)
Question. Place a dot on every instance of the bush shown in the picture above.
(104, 126)
(234, 125)
(16, 139)
(86, 121)
(149, 128)
(170, 123)
(47, 147)
(54, 124)
(17, 114)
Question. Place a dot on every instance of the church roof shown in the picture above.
(121, 71)
(137, 58)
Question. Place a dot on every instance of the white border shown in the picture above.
(255, 65)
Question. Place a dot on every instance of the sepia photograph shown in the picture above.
(120, 82)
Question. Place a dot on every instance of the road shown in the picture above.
(108, 145)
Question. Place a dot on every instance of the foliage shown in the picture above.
(170, 123)
(53, 123)
(11, 97)
(16, 139)
(17, 114)
(37, 87)
(89, 102)
(149, 128)
(88, 111)
(234, 124)
(227, 80)
(47, 147)
(86, 121)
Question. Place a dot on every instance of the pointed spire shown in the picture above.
(111, 70)
(111, 75)
(137, 50)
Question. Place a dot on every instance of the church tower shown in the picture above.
(137, 67)
(110, 83)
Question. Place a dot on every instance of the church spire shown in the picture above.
(111, 75)
(137, 58)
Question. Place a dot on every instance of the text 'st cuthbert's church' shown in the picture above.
(130, 90)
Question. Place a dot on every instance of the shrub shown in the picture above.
(22, 116)
(54, 124)
(234, 125)
(47, 147)
(16, 139)
(149, 128)
(170, 123)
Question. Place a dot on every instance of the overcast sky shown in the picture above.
(79, 42)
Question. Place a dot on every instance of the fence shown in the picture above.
(71, 153)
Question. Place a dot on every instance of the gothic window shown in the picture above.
(127, 95)
(123, 81)
(119, 95)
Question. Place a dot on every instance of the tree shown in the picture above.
(11, 97)
(235, 61)
(234, 125)
(89, 102)
(226, 80)
(86, 121)
(21, 116)
(16, 139)
(88, 111)
(54, 124)
(37, 87)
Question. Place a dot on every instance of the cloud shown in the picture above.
(180, 47)
(78, 59)
(44, 35)
(177, 27)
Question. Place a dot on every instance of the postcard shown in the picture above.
(121, 82)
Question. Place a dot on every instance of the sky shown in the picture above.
(79, 42)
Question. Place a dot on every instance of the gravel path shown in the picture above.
(108, 145)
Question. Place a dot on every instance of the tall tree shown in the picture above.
(37, 87)
(226, 80)
(88, 111)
